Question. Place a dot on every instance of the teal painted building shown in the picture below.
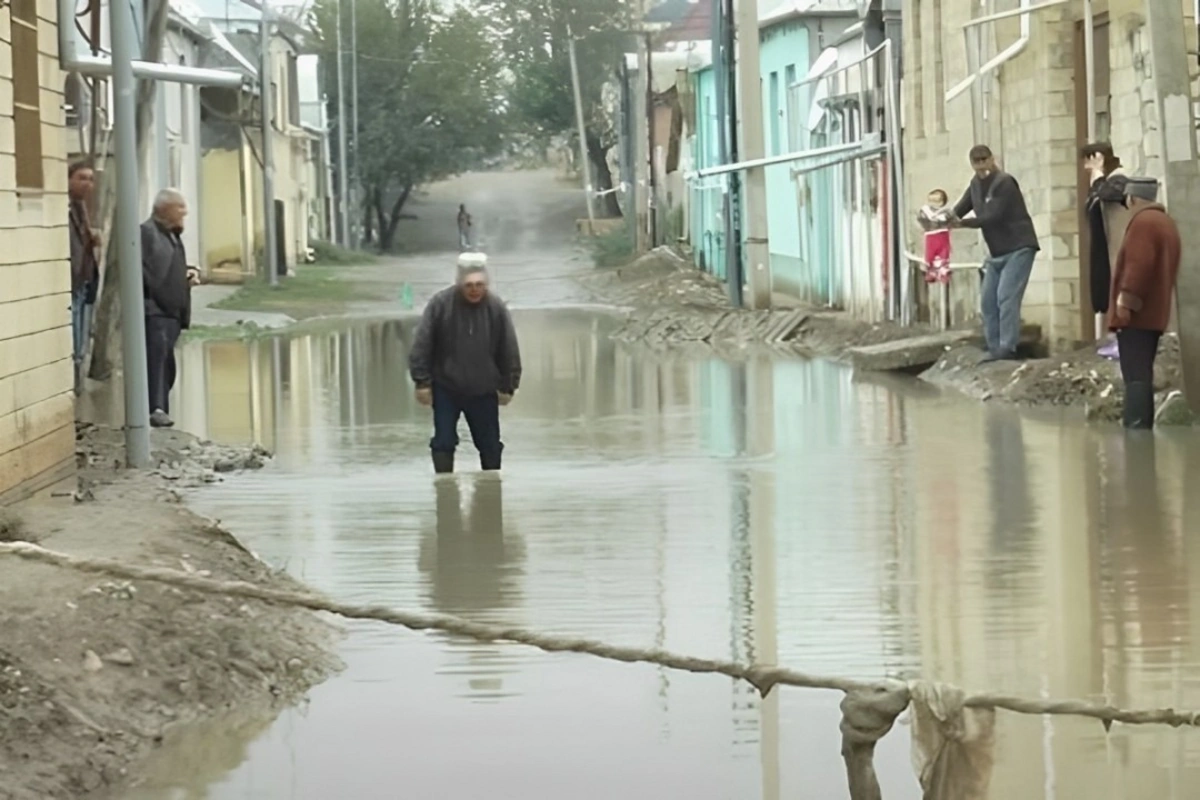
(783, 59)
(801, 214)
(706, 197)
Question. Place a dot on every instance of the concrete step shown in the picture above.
(920, 352)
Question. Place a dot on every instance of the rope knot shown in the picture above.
(867, 716)
(952, 745)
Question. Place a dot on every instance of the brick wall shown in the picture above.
(37, 439)
(1025, 112)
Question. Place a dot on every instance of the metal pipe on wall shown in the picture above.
(70, 60)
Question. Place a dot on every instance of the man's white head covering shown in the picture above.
(472, 260)
(470, 263)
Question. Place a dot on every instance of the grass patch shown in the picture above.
(313, 291)
(330, 254)
(613, 248)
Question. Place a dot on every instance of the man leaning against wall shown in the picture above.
(85, 269)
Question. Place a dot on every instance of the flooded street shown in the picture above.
(768, 510)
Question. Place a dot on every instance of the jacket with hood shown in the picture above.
(467, 348)
(1107, 220)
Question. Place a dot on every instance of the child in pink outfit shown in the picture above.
(934, 217)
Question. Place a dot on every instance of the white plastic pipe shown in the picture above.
(772, 160)
(1009, 53)
(71, 61)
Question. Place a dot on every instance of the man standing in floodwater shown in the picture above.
(465, 361)
(1000, 213)
(1143, 285)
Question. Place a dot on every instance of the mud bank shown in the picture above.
(94, 672)
(1078, 379)
(674, 305)
(671, 304)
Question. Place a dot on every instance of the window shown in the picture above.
(939, 70)
(27, 94)
(775, 114)
(293, 96)
(914, 66)
(791, 116)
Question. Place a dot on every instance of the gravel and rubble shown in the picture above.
(95, 672)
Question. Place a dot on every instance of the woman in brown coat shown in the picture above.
(1143, 286)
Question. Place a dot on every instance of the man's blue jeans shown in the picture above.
(1004, 280)
(81, 323)
(483, 418)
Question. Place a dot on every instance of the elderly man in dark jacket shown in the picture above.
(465, 362)
(1143, 285)
(167, 283)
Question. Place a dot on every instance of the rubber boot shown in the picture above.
(489, 462)
(1139, 406)
(443, 463)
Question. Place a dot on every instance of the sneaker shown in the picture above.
(159, 419)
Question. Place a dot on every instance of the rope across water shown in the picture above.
(869, 709)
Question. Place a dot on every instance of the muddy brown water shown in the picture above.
(769, 510)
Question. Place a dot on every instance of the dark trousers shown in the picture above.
(161, 335)
(1137, 350)
(483, 418)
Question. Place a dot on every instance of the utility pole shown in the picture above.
(585, 169)
(641, 171)
(267, 101)
(1177, 129)
(749, 112)
(354, 120)
(343, 162)
(128, 237)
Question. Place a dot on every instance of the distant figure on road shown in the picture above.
(465, 361)
(464, 228)
(999, 211)
(85, 269)
(167, 283)
(1139, 307)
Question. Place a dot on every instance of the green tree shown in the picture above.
(534, 37)
(430, 98)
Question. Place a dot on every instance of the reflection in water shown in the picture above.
(780, 511)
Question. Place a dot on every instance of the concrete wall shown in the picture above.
(37, 414)
(221, 211)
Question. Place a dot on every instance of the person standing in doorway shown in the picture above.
(1107, 218)
(1143, 285)
(85, 265)
(464, 228)
(998, 209)
(167, 283)
(465, 361)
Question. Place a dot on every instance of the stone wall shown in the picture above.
(37, 414)
(1026, 113)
